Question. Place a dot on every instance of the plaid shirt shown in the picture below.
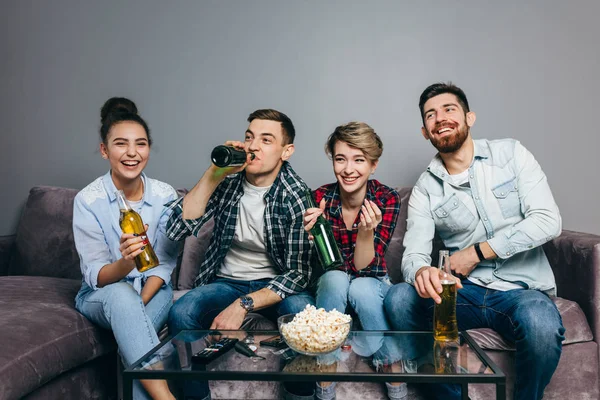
(388, 201)
(286, 241)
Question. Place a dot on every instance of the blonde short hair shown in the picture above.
(358, 135)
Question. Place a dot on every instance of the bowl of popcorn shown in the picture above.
(314, 331)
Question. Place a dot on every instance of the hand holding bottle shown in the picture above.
(325, 245)
(230, 158)
(310, 217)
(131, 245)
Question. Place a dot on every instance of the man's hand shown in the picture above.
(219, 173)
(230, 318)
(428, 285)
(463, 262)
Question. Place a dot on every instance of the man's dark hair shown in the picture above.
(289, 133)
(441, 88)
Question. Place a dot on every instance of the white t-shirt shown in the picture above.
(247, 258)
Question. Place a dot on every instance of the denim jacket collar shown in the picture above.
(438, 169)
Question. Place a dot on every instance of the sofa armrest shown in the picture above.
(7, 243)
(575, 260)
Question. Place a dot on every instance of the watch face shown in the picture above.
(247, 303)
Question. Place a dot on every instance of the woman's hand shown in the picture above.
(131, 244)
(370, 217)
(310, 217)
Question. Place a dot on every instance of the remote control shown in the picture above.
(213, 351)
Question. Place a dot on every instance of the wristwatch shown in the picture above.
(479, 252)
(247, 303)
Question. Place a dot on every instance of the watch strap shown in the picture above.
(479, 252)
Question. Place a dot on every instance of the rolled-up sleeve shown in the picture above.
(179, 228)
(93, 250)
(418, 239)
(542, 221)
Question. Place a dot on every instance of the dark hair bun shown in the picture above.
(117, 105)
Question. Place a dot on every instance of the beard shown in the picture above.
(451, 143)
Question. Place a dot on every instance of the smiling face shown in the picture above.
(446, 123)
(127, 150)
(351, 168)
(265, 139)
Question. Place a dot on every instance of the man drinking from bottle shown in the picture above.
(491, 205)
(258, 257)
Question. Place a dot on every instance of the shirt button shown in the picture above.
(502, 194)
(508, 253)
(445, 213)
(485, 219)
(471, 176)
(455, 203)
(476, 198)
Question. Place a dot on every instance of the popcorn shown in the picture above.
(316, 331)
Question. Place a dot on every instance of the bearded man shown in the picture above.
(491, 205)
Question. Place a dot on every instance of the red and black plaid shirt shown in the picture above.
(388, 201)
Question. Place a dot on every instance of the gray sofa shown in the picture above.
(50, 351)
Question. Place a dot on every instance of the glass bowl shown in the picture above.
(312, 339)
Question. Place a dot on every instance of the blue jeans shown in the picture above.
(336, 289)
(527, 318)
(119, 308)
(199, 307)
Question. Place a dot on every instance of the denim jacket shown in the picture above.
(97, 232)
(508, 204)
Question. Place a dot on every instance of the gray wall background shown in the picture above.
(197, 68)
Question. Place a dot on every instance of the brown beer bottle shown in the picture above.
(445, 327)
(131, 222)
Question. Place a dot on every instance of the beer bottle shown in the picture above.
(325, 244)
(228, 156)
(445, 357)
(445, 327)
(131, 222)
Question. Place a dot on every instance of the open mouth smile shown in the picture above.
(130, 163)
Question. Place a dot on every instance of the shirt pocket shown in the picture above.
(507, 196)
(454, 215)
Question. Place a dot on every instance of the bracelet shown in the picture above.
(479, 252)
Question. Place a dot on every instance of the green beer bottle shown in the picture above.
(325, 244)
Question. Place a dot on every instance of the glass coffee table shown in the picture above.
(366, 356)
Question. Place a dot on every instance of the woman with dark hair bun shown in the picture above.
(114, 294)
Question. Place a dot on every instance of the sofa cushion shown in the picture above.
(44, 244)
(43, 336)
(393, 255)
(194, 253)
(577, 329)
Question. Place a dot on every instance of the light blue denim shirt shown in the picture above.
(508, 204)
(97, 232)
